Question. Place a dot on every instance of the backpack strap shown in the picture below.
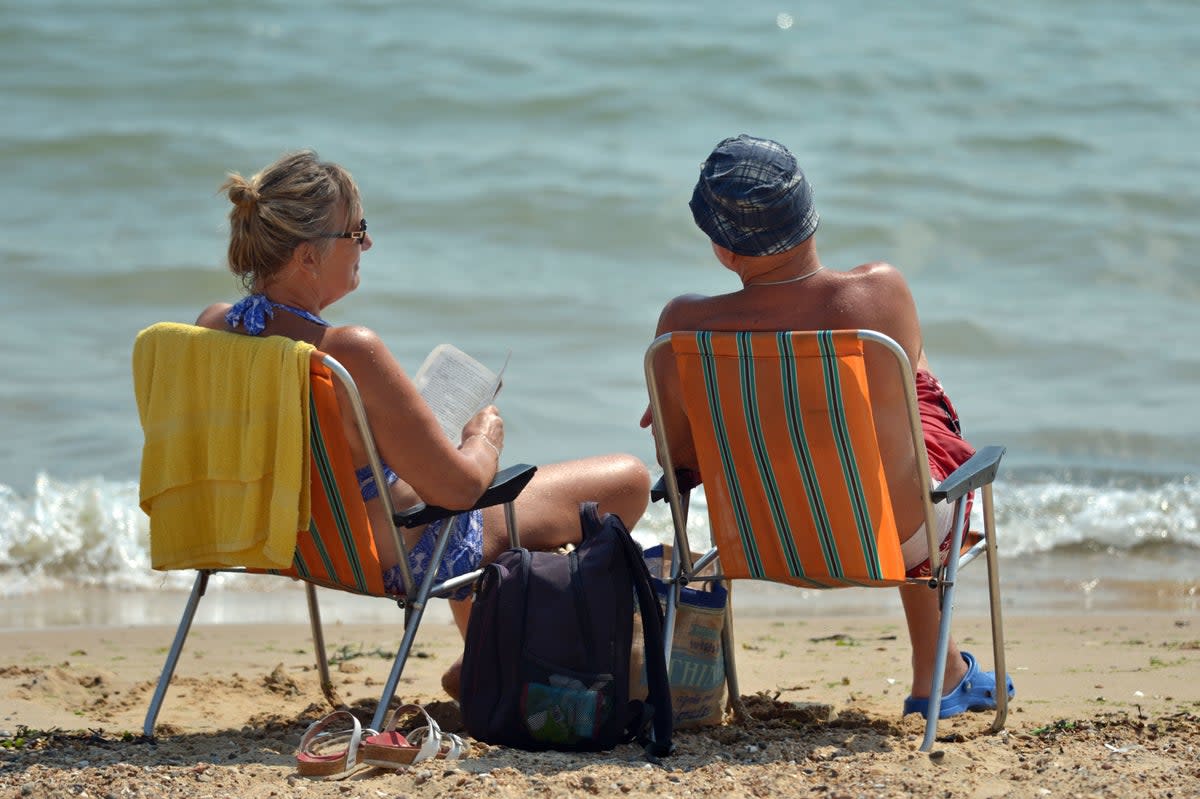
(658, 699)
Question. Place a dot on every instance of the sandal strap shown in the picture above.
(433, 741)
(316, 733)
(449, 745)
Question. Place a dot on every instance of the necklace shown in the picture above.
(805, 276)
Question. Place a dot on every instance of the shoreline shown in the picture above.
(1105, 705)
(268, 600)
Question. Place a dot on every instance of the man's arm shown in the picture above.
(892, 309)
(677, 315)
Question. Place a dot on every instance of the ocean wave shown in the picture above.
(1116, 515)
(88, 533)
(1037, 143)
(92, 532)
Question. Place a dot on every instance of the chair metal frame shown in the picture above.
(977, 472)
(504, 489)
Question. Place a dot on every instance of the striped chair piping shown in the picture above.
(338, 549)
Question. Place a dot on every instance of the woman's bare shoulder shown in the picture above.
(360, 349)
(214, 316)
(352, 341)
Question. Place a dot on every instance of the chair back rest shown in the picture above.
(218, 464)
(784, 432)
(338, 548)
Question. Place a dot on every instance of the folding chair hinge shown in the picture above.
(943, 586)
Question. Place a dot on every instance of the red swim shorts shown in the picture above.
(946, 449)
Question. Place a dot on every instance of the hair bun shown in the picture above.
(242, 193)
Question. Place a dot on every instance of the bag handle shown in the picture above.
(659, 694)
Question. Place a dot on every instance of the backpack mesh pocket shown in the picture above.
(562, 706)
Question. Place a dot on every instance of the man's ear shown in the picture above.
(725, 256)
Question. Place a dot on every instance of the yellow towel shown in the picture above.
(225, 460)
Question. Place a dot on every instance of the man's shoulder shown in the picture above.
(685, 312)
(875, 271)
(873, 279)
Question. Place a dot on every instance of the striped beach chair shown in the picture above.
(337, 550)
(784, 431)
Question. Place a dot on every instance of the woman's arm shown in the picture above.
(406, 431)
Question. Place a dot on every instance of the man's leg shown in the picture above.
(923, 616)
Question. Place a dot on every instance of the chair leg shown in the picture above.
(672, 608)
(185, 625)
(948, 584)
(413, 612)
(318, 633)
(510, 520)
(412, 619)
(993, 571)
(675, 586)
(729, 657)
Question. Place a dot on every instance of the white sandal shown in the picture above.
(391, 749)
(313, 758)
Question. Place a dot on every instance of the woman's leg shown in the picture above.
(548, 509)
(548, 516)
(452, 677)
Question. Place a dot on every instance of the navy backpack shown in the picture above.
(546, 664)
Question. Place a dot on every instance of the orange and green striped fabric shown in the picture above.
(785, 438)
(338, 549)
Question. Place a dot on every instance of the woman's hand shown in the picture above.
(486, 423)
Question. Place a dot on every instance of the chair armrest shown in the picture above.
(979, 470)
(506, 486)
(685, 478)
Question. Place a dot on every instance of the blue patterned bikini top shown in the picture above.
(252, 312)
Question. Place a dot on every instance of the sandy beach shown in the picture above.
(1106, 705)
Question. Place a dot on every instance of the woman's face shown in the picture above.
(339, 266)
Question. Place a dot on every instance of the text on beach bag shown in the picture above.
(698, 656)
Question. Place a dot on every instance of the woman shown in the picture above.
(297, 235)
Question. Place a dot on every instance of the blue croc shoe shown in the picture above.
(976, 691)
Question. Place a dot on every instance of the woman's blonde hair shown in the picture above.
(292, 201)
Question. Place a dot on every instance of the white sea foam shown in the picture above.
(92, 532)
(1038, 517)
(89, 533)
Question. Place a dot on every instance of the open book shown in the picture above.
(456, 386)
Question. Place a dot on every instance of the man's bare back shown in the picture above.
(872, 296)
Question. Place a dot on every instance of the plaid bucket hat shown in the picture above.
(752, 198)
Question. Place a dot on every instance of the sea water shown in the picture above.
(525, 168)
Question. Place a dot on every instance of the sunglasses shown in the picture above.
(357, 235)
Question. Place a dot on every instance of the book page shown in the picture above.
(456, 386)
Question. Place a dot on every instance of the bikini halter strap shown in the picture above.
(253, 311)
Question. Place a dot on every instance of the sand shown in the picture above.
(1106, 705)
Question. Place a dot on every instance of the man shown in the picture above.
(754, 203)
